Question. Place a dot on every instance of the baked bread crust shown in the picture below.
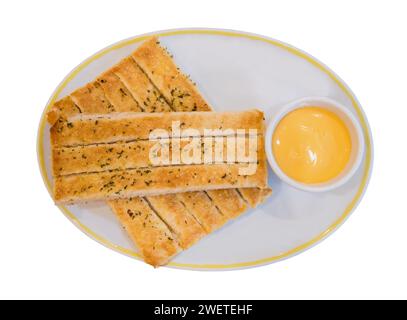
(203, 209)
(254, 198)
(230, 209)
(91, 99)
(118, 95)
(155, 241)
(179, 220)
(61, 110)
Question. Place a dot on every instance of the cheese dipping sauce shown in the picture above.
(312, 145)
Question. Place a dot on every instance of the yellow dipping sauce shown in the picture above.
(312, 145)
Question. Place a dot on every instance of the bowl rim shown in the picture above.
(318, 102)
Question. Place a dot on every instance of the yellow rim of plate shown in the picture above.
(295, 51)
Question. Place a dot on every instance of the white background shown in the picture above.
(42, 255)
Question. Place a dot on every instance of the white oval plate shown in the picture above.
(234, 71)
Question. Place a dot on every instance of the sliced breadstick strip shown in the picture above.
(230, 209)
(154, 240)
(177, 88)
(130, 126)
(155, 181)
(117, 94)
(203, 209)
(177, 217)
(114, 156)
(142, 90)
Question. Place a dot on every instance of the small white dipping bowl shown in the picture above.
(358, 145)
